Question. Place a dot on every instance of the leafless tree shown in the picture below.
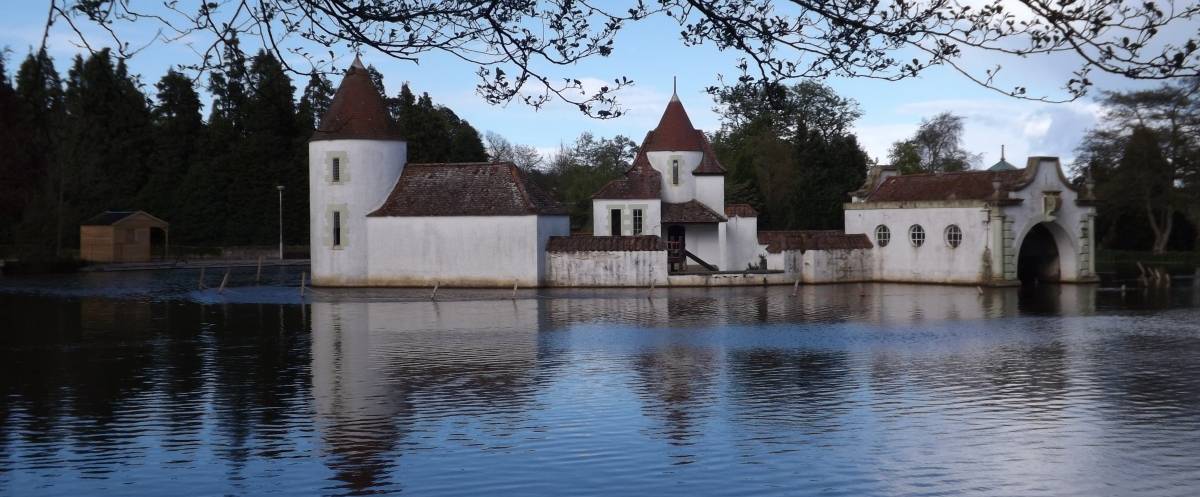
(520, 46)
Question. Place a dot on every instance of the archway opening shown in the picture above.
(1038, 259)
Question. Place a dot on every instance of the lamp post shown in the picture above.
(280, 188)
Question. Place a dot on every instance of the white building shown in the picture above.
(676, 190)
(376, 221)
(995, 227)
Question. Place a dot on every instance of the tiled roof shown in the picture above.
(708, 163)
(357, 112)
(585, 243)
(964, 185)
(691, 211)
(740, 210)
(675, 133)
(467, 189)
(640, 181)
(778, 241)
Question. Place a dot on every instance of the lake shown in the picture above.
(140, 384)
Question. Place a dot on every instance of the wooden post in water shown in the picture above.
(258, 274)
(514, 294)
(796, 287)
(224, 280)
(433, 296)
(302, 277)
(650, 294)
(201, 284)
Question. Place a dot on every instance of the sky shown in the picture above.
(651, 54)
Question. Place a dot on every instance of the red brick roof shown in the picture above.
(467, 189)
(964, 185)
(740, 210)
(640, 182)
(675, 133)
(357, 112)
(585, 243)
(778, 241)
(689, 212)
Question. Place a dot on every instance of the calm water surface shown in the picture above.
(138, 384)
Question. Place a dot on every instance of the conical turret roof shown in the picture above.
(675, 132)
(357, 112)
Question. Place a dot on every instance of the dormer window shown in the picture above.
(674, 171)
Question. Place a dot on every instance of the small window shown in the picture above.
(637, 221)
(883, 235)
(953, 236)
(337, 229)
(335, 170)
(916, 235)
(674, 171)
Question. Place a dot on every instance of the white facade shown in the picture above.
(464, 251)
(368, 170)
(651, 212)
(993, 231)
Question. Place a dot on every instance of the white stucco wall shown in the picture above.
(834, 266)
(688, 161)
(710, 191)
(1072, 225)
(483, 251)
(741, 243)
(611, 269)
(707, 241)
(602, 219)
(369, 170)
(935, 261)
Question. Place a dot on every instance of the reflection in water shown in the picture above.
(844, 390)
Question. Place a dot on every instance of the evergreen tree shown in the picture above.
(15, 185)
(106, 139)
(39, 93)
(269, 157)
(207, 205)
(318, 94)
(178, 132)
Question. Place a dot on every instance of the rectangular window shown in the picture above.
(674, 171)
(637, 221)
(335, 172)
(337, 229)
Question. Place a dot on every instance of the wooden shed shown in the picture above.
(123, 236)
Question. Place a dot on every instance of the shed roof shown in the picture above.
(357, 111)
(690, 212)
(584, 243)
(109, 218)
(467, 189)
(778, 241)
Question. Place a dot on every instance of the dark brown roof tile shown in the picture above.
(467, 189)
(690, 212)
(584, 243)
(357, 112)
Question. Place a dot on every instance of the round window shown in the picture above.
(916, 234)
(883, 235)
(953, 236)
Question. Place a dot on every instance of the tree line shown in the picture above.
(93, 141)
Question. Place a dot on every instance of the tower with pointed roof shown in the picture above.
(355, 156)
(676, 190)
